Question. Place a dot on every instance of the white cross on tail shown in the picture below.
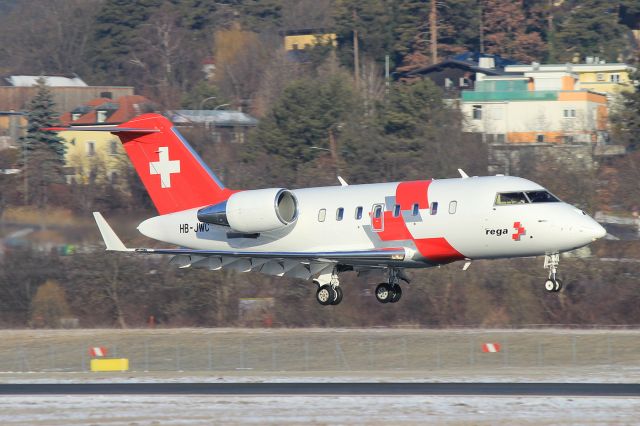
(164, 167)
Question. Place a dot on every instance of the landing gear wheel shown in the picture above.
(338, 297)
(384, 293)
(326, 295)
(550, 285)
(558, 286)
(397, 294)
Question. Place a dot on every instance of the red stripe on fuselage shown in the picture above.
(407, 194)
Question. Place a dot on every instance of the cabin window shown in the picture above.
(434, 208)
(416, 209)
(453, 206)
(358, 213)
(396, 210)
(377, 211)
(322, 215)
(339, 214)
(508, 198)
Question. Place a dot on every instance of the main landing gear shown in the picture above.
(390, 292)
(552, 284)
(329, 291)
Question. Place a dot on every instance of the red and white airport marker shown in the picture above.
(491, 347)
(98, 351)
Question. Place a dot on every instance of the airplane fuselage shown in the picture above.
(436, 222)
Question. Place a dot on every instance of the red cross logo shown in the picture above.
(520, 231)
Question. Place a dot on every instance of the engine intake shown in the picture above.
(259, 210)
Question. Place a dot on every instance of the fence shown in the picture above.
(318, 350)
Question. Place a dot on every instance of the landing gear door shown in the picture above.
(377, 217)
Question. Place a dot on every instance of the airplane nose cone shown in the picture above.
(598, 231)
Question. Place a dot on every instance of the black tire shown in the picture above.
(384, 293)
(338, 298)
(550, 285)
(325, 295)
(558, 286)
(397, 294)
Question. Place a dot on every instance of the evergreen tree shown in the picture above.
(301, 121)
(590, 28)
(625, 120)
(374, 22)
(116, 28)
(43, 151)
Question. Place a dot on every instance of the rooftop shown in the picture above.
(52, 81)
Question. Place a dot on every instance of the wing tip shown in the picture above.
(110, 238)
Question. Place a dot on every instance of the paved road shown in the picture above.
(433, 389)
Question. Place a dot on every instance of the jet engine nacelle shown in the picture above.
(259, 210)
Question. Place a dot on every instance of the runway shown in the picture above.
(334, 389)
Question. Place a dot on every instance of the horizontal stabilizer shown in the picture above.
(110, 238)
(110, 129)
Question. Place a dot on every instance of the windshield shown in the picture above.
(509, 198)
(541, 197)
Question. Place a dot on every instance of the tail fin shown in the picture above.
(174, 175)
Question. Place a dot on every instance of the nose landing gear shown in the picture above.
(552, 284)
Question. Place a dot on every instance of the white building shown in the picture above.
(535, 107)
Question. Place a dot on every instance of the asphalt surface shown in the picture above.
(334, 389)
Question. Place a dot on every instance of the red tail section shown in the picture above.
(172, 172)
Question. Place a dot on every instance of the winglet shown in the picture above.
(110, 238)
(342, 181)
(463, 174)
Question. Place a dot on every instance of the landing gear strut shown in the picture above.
(390, 292)
(329, 291)
(552, 284)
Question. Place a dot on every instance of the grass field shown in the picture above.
(375, 353)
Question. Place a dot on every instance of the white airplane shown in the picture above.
(318, 233)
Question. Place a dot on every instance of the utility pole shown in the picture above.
(433, 24)
(356, 54)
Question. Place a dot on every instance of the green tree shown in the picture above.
(298, 127)
(590, 28)
(374, 22)
(116, 28)
(43, 150)
(625, 119)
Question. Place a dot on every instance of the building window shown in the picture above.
(600, 77)
(75, 116)
(540, 138)
(358, 213)
(569, 113)
(339, 214)
(448, 83)
(614, 78)
(477, 112)
(453, 206)
(91, 149)
(464, 82)
(113, 177)
(322, 215)
(113, 148)
(101, 116)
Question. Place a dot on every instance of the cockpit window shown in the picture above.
(541, 197)
(507, 198)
